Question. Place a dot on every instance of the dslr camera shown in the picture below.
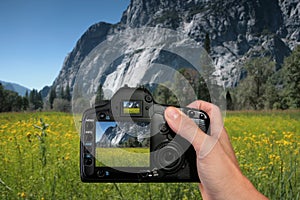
(127, 139)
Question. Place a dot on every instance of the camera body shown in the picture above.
(127, 139)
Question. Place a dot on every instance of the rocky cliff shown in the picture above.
(238, 30)
(125, 134)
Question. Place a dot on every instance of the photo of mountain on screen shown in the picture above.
(127, 140)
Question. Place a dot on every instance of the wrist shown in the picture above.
(244, 189)
(237, 187)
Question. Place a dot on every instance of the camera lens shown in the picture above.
(169, 157)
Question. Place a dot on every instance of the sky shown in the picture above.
(37, 35)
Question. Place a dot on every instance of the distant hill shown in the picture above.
(21, 90)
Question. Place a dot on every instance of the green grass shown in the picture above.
(46, 166)
(123, 157)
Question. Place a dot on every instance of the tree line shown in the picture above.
(12, 102)
(264, 87)
(59, 101)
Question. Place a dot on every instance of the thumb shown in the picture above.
(185, 127)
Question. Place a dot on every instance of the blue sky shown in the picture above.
(37, 35)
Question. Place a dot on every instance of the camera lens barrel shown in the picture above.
(169, 157)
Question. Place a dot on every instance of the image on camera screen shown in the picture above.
(122, 144)
(132, 107)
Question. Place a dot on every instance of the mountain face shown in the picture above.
(21, 90)
(125, 134)
(238, 30)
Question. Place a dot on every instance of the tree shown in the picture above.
(61, 105)
(68, 96)
(26, 101)
(17, 103)
(251, 90)
(62, 93)
(2, 98)
(163, 94)
(52, 96)
(207, 43)
(202, 90)
(291, 79)
(99, 95)
(229, 102)
(193, 83)
(273, 92)
(11, 101)
(35, 100)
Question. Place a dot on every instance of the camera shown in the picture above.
(127, 139)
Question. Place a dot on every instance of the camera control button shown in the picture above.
(145, 174)
(88, 137)
(202, 116)
(191, 113)
(171, 135)
(88, 160)
(148, 98)
(89, 126)
(101, 173)
(164, 128)
(102, 115)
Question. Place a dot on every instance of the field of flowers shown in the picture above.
(131, 157)
(39, 158)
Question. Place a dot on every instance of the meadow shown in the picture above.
(39, 158)
(131, 157)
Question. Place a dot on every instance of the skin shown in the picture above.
(218, 168)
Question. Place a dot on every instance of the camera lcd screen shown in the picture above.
(132, 107)
(122, 144)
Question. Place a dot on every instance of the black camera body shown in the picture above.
(127, 139)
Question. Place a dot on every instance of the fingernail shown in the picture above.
(172, 113)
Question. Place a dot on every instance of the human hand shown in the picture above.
(217, 166)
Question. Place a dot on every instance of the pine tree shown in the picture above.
(229, 102)
(52, 96)
(2, 98)
(163, 94)
(62, 93)
(202, 91)
(39, 101)
(291, 79)
(68, 96)
(25, 101)
(207, 43)
(251, 90)
(99, 95)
